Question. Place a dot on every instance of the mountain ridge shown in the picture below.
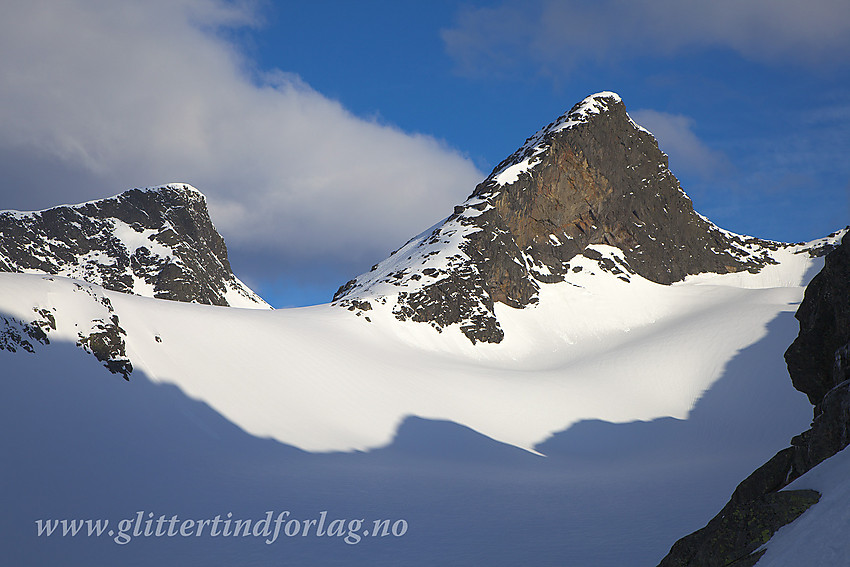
(158, 242)
(591, 178)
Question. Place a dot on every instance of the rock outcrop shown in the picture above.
(101, 336)
(819, 359)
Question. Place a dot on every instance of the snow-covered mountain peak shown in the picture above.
(590, 179)
(581, 113)
(155, 241)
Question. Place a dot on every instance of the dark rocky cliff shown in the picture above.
(157, 242)
(592, 177)
(818, 359)
(818, 365)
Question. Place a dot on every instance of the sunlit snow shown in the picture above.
(649, 402)
(657, 347)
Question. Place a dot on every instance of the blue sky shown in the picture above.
(325, 134)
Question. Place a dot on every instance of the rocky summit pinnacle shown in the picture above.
(157, 242)
(592, 177)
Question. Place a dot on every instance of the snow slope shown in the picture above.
(650, 403)
(323, 379)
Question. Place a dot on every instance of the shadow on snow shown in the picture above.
(81, 443)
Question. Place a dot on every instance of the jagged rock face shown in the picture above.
(156, 242)
(591, 177)
(819, 359)
(732, 537)
(829, 434)
(603, 180)
(756, 510)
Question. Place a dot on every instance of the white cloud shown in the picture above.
(555, 35)
(687, 153)
(110, 95)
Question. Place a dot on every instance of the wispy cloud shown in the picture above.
(100, 96)
(676, 137)
(554, 36)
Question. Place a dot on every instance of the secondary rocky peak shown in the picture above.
(591, 183)
(157, 242)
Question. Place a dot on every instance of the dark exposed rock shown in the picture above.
(592, 177)
(15, 334)
(829, 434)
(104, 338)
(757, 508)
(101, 337)
(818, 358)
(106, 343)
(817, 362)
(158, 242)
(732, 537)
(428, 306)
